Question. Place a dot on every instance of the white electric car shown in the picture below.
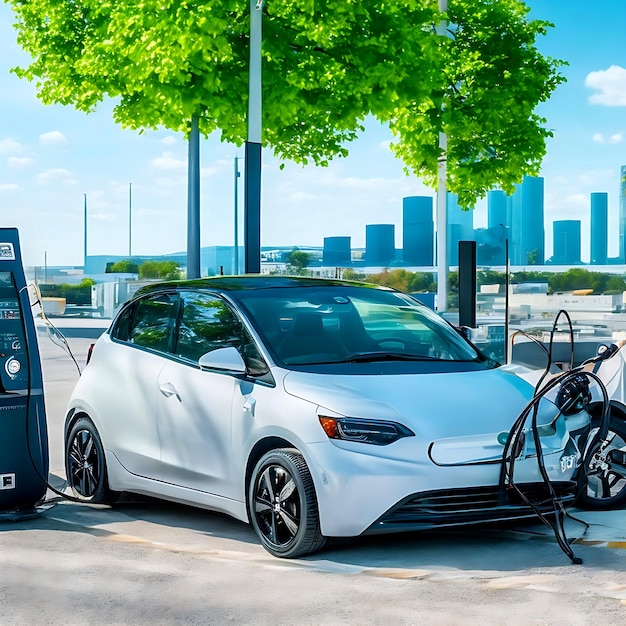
(311, 409)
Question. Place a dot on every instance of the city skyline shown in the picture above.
(51, 156)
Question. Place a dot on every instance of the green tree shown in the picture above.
(489, 277)
(530, 277)
(297, 260)
(422, 281)
(615, 284)
(73, 294)
(532, 258)
(125, 266)
(351, 274)
(397, 279)
(453, 291)
(166, 270)
(327, 65)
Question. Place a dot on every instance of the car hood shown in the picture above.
(434, 406)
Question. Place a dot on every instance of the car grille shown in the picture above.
(454, 507)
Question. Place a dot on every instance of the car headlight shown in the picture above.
(376, 432)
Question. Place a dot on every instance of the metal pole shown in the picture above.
(130, 219)
(507, 284)
(85, 230)
(193, 201)
(252, 166)
(236, 263)
(442, 227)
(442, 220)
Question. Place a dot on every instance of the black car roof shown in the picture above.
(249, 282)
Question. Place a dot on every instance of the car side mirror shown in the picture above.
(225, 360)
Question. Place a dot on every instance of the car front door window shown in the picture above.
(206, 323)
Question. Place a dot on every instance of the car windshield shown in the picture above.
(349, 324)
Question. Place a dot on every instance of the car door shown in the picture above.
(131, 363)
(195, 407)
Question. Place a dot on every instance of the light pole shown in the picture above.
(252, 156)
(85, 230)
(236, 259)
(193, 201)
(442, 219)
(130, 219)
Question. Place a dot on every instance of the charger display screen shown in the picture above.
(13, 358)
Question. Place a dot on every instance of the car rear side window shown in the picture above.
(150, 323)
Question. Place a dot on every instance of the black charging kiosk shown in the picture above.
(23, 431)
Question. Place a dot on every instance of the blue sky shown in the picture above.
(51, 155)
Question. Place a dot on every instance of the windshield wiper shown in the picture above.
(371, 357)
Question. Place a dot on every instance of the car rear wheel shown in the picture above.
(85, 464)
(283, 505)
(603, 478)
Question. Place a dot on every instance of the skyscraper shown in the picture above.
(380, 244)
(497, 208)
(566, 242)
(418, 230)
(622, 215)
(599, 228)
(460, 227)
(527, 231)
(337, 252)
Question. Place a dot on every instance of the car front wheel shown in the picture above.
(85, 464)
(283, 505)
(603, 479)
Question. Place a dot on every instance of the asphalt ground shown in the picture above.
(144, 561)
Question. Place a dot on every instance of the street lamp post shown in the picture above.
(130, 220)
(252, 156)
(236, 259)
(85, 230)
(193, 201)
(442, 219)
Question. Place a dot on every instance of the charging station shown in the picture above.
(23, 431)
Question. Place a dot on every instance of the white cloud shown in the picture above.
(20, 161)
(208, 172)
(8, 187)
(9, 145)
(610, 85)
(385, 145)
(591, 178)
(167, 161)
(612, 139)
(170, 140)
(54, 137)
(56, 175)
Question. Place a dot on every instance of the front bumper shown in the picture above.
(458, 507)
(359, 493)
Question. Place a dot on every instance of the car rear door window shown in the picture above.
(151, 322)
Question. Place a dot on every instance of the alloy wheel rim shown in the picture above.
(603, 481)
(277, 506)
(84, 464)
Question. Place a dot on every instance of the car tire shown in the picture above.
(85, 464)
(602, 482)
(283, 505)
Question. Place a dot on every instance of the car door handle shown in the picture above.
(168, 390)
(249, 405)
